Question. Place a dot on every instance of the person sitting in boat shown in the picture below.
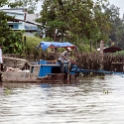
(64, 58)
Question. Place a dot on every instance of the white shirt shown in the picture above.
(1, 59)
(61, 58)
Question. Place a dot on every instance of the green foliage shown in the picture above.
(11, 40)
(29, 5)
(92, 20)
(7, 91)
(10, 4)
(47, 39)
(12, 43)
(82, 19)
(31, 46)
(5, 31)
(120, 52)
(32, 42)
(117, 26)
(83, 43)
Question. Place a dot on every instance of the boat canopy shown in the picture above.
(44, 45)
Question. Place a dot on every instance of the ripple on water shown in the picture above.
(81, 103)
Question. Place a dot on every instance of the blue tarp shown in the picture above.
(45, 45)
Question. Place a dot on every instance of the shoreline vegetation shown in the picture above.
(87, 57)
(30, 50)
(85, 60)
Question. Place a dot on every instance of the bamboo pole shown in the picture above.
(101, 53)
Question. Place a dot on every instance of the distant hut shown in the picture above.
(111, 49)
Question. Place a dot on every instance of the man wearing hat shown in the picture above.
(64, 58)
(1, 58)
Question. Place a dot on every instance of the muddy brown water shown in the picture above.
(90, 101)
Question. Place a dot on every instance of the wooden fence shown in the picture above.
(110, 62)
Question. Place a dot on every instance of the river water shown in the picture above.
(90, 101)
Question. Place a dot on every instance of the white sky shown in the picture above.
(120, 4)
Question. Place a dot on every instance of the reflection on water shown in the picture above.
(81, 103)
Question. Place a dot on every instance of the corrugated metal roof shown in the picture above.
(111, 49)
(30, 19)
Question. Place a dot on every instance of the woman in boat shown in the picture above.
(64, 58)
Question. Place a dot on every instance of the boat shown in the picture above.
(46, 71)
(42, 70)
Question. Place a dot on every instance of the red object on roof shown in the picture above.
(111, 49)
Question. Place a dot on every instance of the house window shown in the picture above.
(15, 26)
(11, 26)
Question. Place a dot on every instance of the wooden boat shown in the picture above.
(41, 71)
(45, 71)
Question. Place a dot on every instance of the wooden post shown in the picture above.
(101, 53)
(68, 72)
(55, 34)
(96, 45)
(68, 76)
(90, 46)
(25, 45)
(0, 76)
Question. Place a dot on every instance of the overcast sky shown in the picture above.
(120, 4)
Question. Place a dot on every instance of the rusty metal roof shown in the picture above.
(111, 49)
